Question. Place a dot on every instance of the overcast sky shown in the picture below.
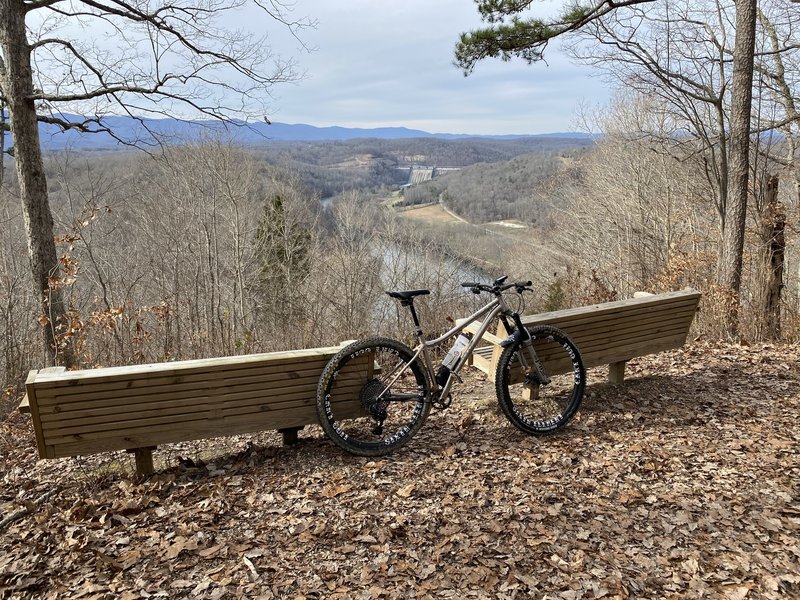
(382, 63)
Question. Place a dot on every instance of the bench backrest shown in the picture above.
(82, 412)
(618, 331)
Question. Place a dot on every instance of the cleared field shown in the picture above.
(432, 213)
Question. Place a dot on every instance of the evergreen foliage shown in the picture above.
(512, 33)
(282, 245)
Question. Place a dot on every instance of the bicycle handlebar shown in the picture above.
(477, 288)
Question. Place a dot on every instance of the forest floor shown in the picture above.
(683, 482)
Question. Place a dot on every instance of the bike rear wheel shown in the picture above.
(534, 406)
(372, 398)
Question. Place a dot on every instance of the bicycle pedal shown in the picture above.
(441, 404)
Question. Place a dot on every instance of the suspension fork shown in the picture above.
(527, 344)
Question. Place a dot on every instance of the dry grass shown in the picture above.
(433, 213)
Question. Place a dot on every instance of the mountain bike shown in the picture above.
(539, 379)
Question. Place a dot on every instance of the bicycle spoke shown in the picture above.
(372, 397)
(540, 400)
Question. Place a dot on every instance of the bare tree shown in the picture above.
(730, 267)
(681, 52)
(351, 265)
(777, 162)
(634, 211)
(510, 35)
(153, 58)
(675, 54)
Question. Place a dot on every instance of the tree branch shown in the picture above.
(511, 36)
(37, 4)
(29, 508)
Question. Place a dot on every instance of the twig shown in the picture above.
(29, 508)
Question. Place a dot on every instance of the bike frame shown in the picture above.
(495, 308)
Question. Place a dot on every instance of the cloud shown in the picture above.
(382, 63)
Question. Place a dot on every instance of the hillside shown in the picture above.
(519, 188)
(334, 167)
(681, 483)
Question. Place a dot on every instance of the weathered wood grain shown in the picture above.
(143, 406)
(610, 333)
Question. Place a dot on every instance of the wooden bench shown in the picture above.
(611, 333)
(138, 407)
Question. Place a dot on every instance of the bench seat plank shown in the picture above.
(200, 407)
(138, 384)
(221, 365)
(628, 308)
(152, 433)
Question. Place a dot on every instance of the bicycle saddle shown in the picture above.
(408, 295)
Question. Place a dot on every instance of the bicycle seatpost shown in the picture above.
(414, 317)
(406, 298)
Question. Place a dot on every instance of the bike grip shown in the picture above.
(469, 285)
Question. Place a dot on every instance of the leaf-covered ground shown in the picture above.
(684, 482)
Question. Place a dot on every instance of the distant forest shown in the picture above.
(511, 189)
(498, 180)
(331, 168)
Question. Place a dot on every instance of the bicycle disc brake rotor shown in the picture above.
(376, 407)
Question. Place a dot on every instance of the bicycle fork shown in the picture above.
(521, 333)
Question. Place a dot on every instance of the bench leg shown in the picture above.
(530, 392)
(144, 460)
(616, 372)
(290, 435)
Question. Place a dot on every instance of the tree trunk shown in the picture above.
(772, 231)
(16, 78)
(729, 275)
(3, 126)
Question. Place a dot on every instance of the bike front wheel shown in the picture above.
(372, 397)
(544, 400)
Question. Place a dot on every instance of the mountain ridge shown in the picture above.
(146, 131)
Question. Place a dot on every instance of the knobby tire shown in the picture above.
(534, 408)
(352, 397)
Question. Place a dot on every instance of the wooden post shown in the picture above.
(497, 350)
(616, 372)
(530, 392)
(290, 435)
(144, 460)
